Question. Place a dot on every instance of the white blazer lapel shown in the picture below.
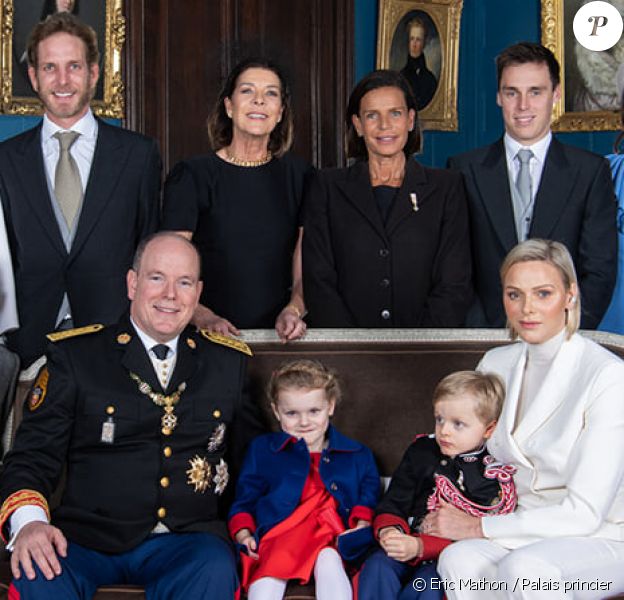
(502, 444)
(554, 390)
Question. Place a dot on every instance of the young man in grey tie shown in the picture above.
(78, 194)
(530, 185)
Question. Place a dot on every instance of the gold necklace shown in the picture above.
(239, 162)
(168, 421)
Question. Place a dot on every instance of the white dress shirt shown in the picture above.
(82, 150)
(164, 368)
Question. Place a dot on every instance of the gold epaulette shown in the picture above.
(224, 340)
(57, 336)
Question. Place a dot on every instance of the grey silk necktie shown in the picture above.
(523, 182)
(67, 183)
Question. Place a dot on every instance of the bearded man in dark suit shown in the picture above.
(78, 194)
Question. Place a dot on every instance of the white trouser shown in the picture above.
(330, 580)
(560, 568)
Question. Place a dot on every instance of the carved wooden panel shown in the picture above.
(178, 53)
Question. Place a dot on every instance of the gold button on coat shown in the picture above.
(164, 482)
(167, 451)
(162, 513)
(110, 410)
(216, 413)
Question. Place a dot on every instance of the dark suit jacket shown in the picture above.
(114, 490)
(120, 207)
(575, 204)
(416, 266)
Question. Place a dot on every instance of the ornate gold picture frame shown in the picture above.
(431, 63)
(589, 99)
(18, 17)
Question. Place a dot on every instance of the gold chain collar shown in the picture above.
(168, 420)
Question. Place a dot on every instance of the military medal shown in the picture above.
(221, 478)
(216, 439)
(168, 421)
(108, 431)
(199, 474)
(201, 478)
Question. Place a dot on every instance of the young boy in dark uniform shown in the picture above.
(450, 466)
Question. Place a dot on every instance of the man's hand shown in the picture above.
(399, 545)
(40, 542)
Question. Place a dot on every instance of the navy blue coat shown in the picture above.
(275, 471)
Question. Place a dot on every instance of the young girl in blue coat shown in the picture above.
(300, 488)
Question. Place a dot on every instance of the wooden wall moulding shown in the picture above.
(177, 56)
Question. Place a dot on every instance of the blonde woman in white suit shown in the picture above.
(562, 427)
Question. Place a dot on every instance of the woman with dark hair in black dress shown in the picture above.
(241, 206)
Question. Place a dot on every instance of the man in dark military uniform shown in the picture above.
(146, 415)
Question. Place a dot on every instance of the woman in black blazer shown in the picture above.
(386, 240)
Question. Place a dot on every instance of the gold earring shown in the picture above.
(567, 316)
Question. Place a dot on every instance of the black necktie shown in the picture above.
(161, 351)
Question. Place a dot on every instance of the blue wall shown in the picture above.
(487, 26)
(11, 125)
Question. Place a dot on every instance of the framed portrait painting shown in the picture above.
(421, 40)
(589, 80)
(18, 17)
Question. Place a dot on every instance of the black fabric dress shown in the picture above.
(245, 222)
